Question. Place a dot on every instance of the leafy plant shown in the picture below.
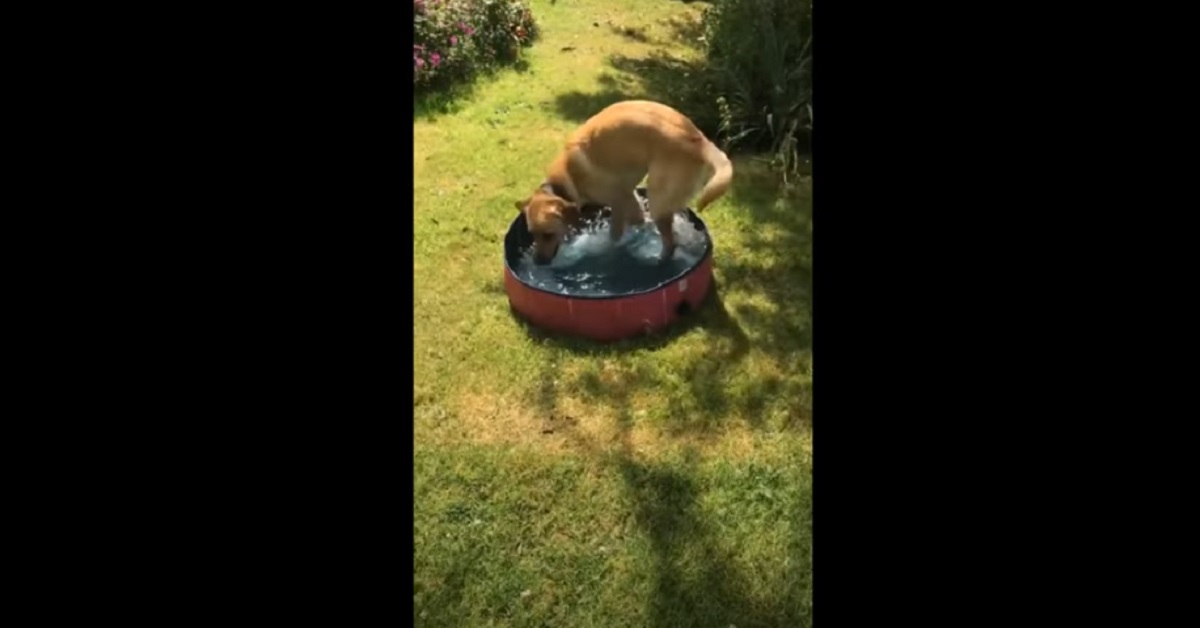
(760, 56)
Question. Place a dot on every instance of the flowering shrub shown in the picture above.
(454, 40)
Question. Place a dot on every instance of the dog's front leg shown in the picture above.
(616, 227)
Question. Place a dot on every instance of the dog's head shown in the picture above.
(548, 217)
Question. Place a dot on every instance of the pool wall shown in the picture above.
(610, 317)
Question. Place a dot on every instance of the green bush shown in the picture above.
(760, 56)
(455, 40)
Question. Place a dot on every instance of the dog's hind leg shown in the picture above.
(670, 189)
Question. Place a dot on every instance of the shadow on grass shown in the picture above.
(711, 591)
(449, 99)
(660, 76)
(779, 273)
(433, 104)
(632, 33)
(687, 31)
(447, 599)
(714, 594)
(579, 106)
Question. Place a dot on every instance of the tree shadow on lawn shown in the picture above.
(449, 99)
(715, 594)
(446, 600)
(632, 33)
(431, 105)
(659, 76)
(696, 577)
(696, 580)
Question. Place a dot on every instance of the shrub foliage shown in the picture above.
(456, 40)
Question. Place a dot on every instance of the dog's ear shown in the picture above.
(521, 205)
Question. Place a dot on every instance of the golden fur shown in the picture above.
(608, 156)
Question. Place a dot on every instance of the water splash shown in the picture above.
(591, 264)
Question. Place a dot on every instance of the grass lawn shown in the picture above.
(658, 482)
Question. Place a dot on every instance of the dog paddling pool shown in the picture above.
(607, 291)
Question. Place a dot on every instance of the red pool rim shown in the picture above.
(611, 316)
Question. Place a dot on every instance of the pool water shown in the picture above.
(591, 264)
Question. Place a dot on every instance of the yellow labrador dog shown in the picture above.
(605, 159)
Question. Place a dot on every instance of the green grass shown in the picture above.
(662, 481)
(523, 539)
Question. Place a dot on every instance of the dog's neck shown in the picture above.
(558, 189)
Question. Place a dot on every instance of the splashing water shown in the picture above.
(591, 264)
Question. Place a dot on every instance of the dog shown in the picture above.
(606, 158)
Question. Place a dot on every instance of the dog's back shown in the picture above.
(628, 138)
(636, 131)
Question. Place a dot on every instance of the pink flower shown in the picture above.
(418, 62)
(435, 59)
(453, 40)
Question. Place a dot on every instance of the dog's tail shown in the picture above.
(722, 177)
